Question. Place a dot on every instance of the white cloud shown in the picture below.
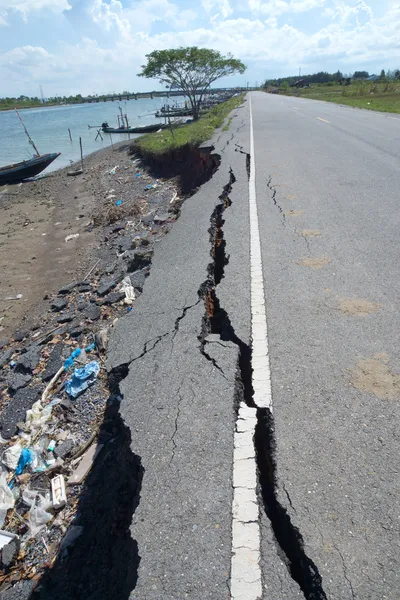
(114, 41)
(24, 7)
(280, 7)
(219, 7)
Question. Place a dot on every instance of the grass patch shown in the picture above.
(381, 96)
(192, 134)
(226, 127)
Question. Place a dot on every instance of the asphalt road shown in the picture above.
(327, 195)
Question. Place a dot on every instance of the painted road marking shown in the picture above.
(246, 583)
(321, 119)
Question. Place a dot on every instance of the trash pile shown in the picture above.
(54, 390)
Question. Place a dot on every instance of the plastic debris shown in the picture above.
(90, 347)
(72, 236)
(29, 496)
(17, 297)
(11, 456)
(128, 289)
(82, 378)
(73, 533)
(113, 170)
(138, 174)
(7, 499)
(37, 416)
(58, 494)
(38, 514)
(68, 362)
(24, 460)
(101, 339)
(118, 203)
(85, 465)
(51, 446)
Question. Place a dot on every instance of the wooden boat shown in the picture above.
(144, 129)
(179, 112)
(26, 168)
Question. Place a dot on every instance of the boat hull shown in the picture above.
(26, 169)
(146, 129)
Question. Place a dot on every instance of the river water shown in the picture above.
(48, 127)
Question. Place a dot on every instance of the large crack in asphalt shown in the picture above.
(216, 320)
(275, 201)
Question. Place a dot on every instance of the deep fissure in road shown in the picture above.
(301, 568)
(216, 320)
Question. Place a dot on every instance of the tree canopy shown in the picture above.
(191, 70)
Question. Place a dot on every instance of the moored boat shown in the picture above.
(27, 168)
(145, 129)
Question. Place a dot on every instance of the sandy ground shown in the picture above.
(35, 219)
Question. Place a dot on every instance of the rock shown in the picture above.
(20, 335)
(16, 410)
(117, 226)
(3, 343)
(148, 218)
(82, 306)
(65, 318)
(84, 287)
(54, 363)
(113, 298)
(92, 312)
(64, 449)
(67, 289)
(28, 361)
(77, 331)
(16, 381)
(139, 277)
(5, 357)
(140, 260)
(9, 552)
(161, 218)
(125, 243)
(106, 287)
(58, 304)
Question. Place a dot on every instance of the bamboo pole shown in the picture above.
(80, 144)
(26, 131)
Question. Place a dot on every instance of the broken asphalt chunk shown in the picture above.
(106, 287)
(16, 411)
(58, 304)
(5, 357)
(16, 381)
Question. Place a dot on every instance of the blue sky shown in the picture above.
(96, 46)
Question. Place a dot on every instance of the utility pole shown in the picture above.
(299, 71)
(41, 93)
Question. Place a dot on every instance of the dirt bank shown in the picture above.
(36, 218)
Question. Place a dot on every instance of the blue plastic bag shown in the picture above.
(82, 378)
(24, 460)
(68, 362)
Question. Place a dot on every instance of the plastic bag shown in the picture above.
(11, 456)
(24, 460)
(128, 289)
(82, 378)
(38, 514)
(7, 499)
(29, 496)
(37, 416)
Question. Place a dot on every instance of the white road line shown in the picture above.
(246, 583)
(321, 119)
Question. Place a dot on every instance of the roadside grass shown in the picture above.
(226, 127)
(192, 134)
(381, 96)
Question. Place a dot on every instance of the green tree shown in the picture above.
(382, 76)
(191, 70)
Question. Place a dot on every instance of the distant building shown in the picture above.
(373, 78)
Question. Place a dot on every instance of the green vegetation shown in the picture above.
(33, 102)
(190, 70)
(226, 127)
(373, 95)
(192, 134)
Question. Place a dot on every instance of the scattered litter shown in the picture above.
(51, 445)
(113, 170)
(150, 186)
(174, 197)
(85, 465)
(82, 378)
(17, 297)
(118, 203)
(38, 514)
(90, 347)
(7, 499)
(138, 174)
(72, 236)
(110, 196)
(29, 496)
(6, 537)
(128, 289)
(58, 495)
